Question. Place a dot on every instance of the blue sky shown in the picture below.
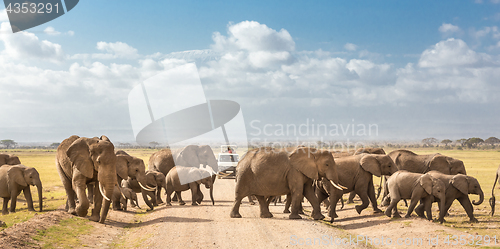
(415, 68)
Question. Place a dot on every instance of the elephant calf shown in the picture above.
(458, 187)
(417, 187)
(181, 178)
(17, 178)
(120, 198)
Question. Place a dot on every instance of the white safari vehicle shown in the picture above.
(227, 161)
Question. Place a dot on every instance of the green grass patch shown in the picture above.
(65, 234)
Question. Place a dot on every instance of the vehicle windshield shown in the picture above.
(228, 158)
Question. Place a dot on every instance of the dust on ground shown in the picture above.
(207, 226)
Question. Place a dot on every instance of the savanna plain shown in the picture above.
(207, 226)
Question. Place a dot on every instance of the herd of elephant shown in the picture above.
(323, 176)
(93, 173)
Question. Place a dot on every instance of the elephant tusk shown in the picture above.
(342, 186)
(146, 188)
(102, 193)
(335, 185)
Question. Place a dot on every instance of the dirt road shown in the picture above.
(208, 226)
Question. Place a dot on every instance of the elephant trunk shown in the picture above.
(40, 198)
(481, 199)
(107, 192)
(442, 211)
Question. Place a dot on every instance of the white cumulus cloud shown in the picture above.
(350, 47)
(116, 50)
(452, 52)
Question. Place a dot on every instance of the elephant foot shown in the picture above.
(182, 203)
(301, 212)
(194, 204)
(359, 209)
(331, 220)
(160, 201)
(294, 217)
(474, 220)
(266, 215)
(407, 216)
(31, 209)
(72, 211)
(396, 215)
(94, 218)
(318, 216)
(441, 221)
(377, 211)
(235, 215)
(286, 211)
(168, 204)
(252, 203)
(388, 213)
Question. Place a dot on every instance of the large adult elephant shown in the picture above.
(81, 160)
(17, 178)
(458, 187)
(378, 151)
(131, 167)
(9, 159)
(492, 199)
(410, 161)
(267, 172)
(356, 174)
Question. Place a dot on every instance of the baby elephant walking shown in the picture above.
(17, 178)
(417, 187)
(181, 178)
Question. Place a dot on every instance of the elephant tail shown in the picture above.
(492, 199)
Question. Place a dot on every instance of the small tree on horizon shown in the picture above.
(429, 141)
(8, 143)
(473, 142)
(462, 142)
(446, 142)
(492, 140)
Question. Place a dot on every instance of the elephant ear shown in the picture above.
(16, 174)
(122, 162)
(460, 182)
(303, 159)
(104, 138)
(439, 163)
(79, 154)
(456, 166)
(370, 163)
(426, 183)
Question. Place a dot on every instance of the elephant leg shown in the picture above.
(98, 199)
(467, 205)
(311, 197)
(296, 199)
(393, 206)
(363, 195)
(70, 193)
(175, 198)
(29, 198)
(352, 194)
(419, 210)
(414, 201)
(428, 206)
(235, 212)
(145, 195)
(288, 203)
(334, 199)
(80, 186)
(158, 195)
(264, 207)
(152, 195)
(5, 209)
(373, 199)
(447, 205)
(194, 193)
(169, 192)
(250, 200)
(179, 197)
